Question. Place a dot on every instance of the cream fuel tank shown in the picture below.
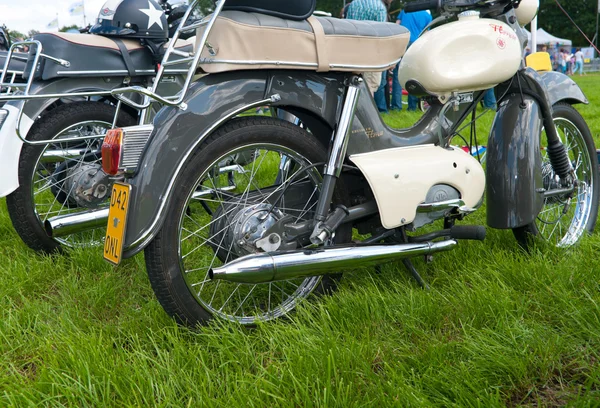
(470, 54)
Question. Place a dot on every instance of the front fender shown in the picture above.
(11, 145)
(561, 88)
(514, 164)
(212, 101)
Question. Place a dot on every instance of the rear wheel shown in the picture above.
(565, 219)
(229, 197)
(54, 179)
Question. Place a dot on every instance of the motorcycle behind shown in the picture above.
(243, 217)
(64, 108)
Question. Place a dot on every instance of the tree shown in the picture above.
(583, 12)
(31, 33)
(67, 28)
(16, 35)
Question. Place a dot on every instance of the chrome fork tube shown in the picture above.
(342, 133)
(338, 150)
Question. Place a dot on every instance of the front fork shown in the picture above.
(327, 223)
(557, 152)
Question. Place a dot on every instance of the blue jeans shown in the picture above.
(578, 67)
(380, 94)
(413, 101)
(396, 90)
(489, 99)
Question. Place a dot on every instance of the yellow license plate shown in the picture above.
(117, 221)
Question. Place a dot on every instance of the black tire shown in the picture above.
(528, 235)
(21, 204)
(163, 261)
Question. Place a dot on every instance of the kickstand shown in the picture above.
(415, 274)
(409, 265)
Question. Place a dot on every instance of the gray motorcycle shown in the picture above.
(242, 217)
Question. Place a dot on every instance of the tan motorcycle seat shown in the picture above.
(241, 40)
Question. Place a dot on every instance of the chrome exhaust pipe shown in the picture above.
(64, 225)
(267, 267)
(61, 155)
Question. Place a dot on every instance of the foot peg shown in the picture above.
(471, 232)
(324, 230)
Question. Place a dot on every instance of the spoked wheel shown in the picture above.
(211, 222)
(566, 218)
(63, 178)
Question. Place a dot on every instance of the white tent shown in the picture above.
(545, 38)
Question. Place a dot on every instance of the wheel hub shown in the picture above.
(88, 185)
(249, 225)
(236, 228)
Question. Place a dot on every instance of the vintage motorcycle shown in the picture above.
(242, 217)
(67, 97)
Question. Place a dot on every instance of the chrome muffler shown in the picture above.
(64, 225)
(61, 155)
(267, 267)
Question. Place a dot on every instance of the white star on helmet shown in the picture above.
(154, 16)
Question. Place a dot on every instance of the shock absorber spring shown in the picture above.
(559, 158)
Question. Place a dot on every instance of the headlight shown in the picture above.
(527, 11)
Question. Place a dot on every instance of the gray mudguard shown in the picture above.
(212, 101)
(514, 165)
(561, 88)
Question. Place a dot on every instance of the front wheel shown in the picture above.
(565, 219)
(238, 185)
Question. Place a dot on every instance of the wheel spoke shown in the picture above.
(566, 218)
(208, 239)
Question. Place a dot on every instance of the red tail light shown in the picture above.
(111, 151)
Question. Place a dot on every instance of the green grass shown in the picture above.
(498, 328)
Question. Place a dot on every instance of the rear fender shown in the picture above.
(212, 101)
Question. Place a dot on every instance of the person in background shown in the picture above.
(579, 62)
(562, 60)
(372, 10)
(344, 10)
(415, 23)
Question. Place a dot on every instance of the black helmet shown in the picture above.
(132, 19)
